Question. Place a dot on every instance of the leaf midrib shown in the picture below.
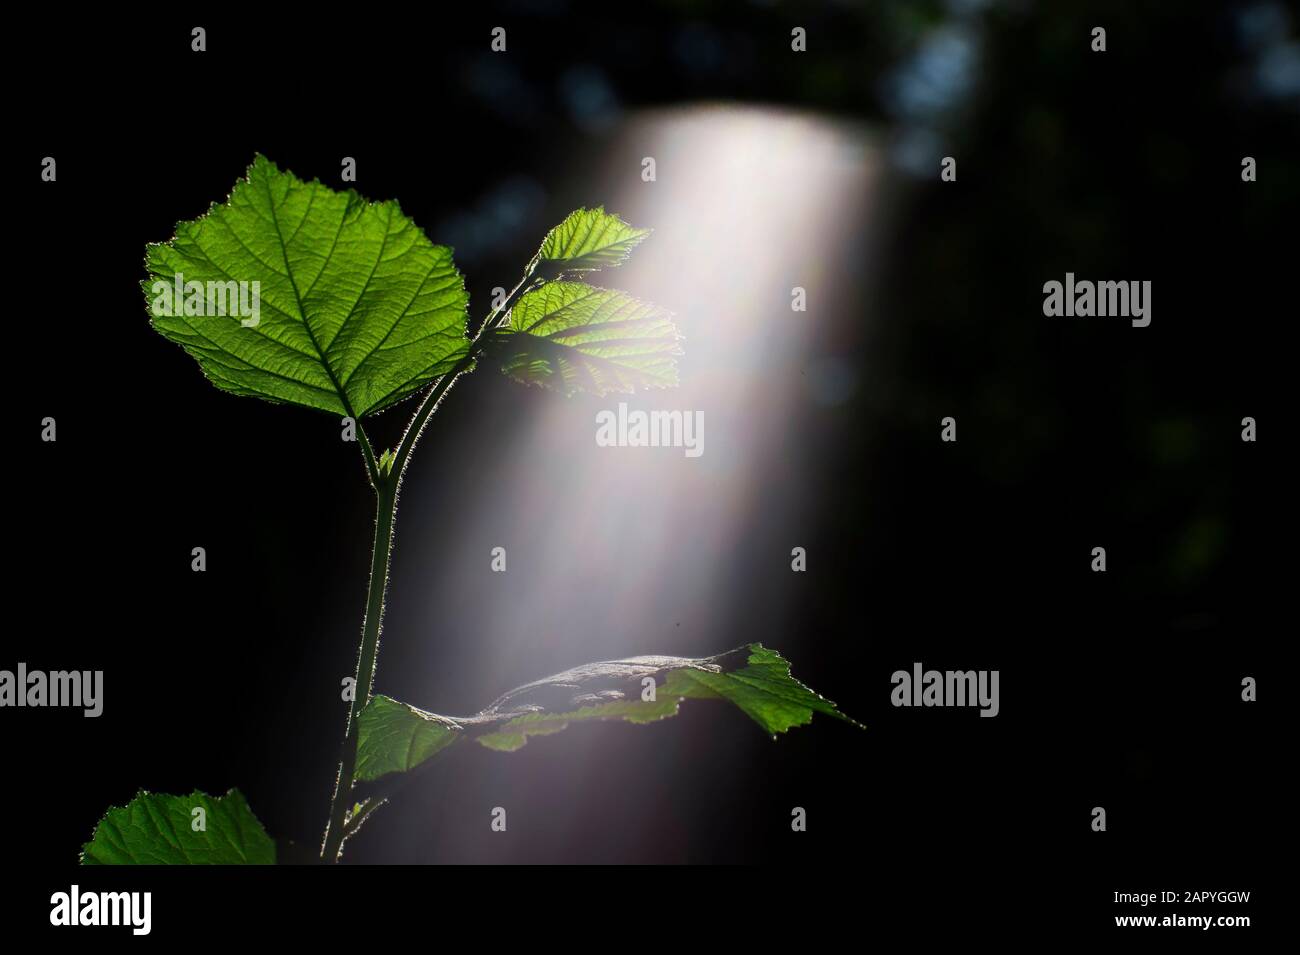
(302, 312)
(322, 354)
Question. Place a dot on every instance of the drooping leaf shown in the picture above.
(587, 240)
(395, 737)
(355, 309)
(575, 337)
(156, 829)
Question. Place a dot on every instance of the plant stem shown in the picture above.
(368, 454)
(385, 512)
(386, 485)
(443, 385)
(355, 821)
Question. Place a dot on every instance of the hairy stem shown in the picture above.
(386, 484)
(354, 821)
(385, 513)
(443, 385)
(368, 454)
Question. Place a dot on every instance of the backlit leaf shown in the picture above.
(355, 309)
(154, 829)
(395, 737)
(575, 337)
(587, 240)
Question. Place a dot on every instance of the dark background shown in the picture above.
(1120, 690)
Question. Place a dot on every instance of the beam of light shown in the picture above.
(613, 552)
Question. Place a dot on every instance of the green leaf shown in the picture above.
(159, 830)
(575, 337)
(357, 309)
(395, 737)
(589, 239)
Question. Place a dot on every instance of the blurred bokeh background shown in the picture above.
(774, 169)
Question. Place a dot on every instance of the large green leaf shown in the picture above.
(395, 737)
(357, 308)
(576, 337)
(157, 829)
(587, 240)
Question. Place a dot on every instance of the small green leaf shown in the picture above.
(157, 829)
(396, 737)
(356, 309)
(393, 737)
(589, 239)
(575, 337)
